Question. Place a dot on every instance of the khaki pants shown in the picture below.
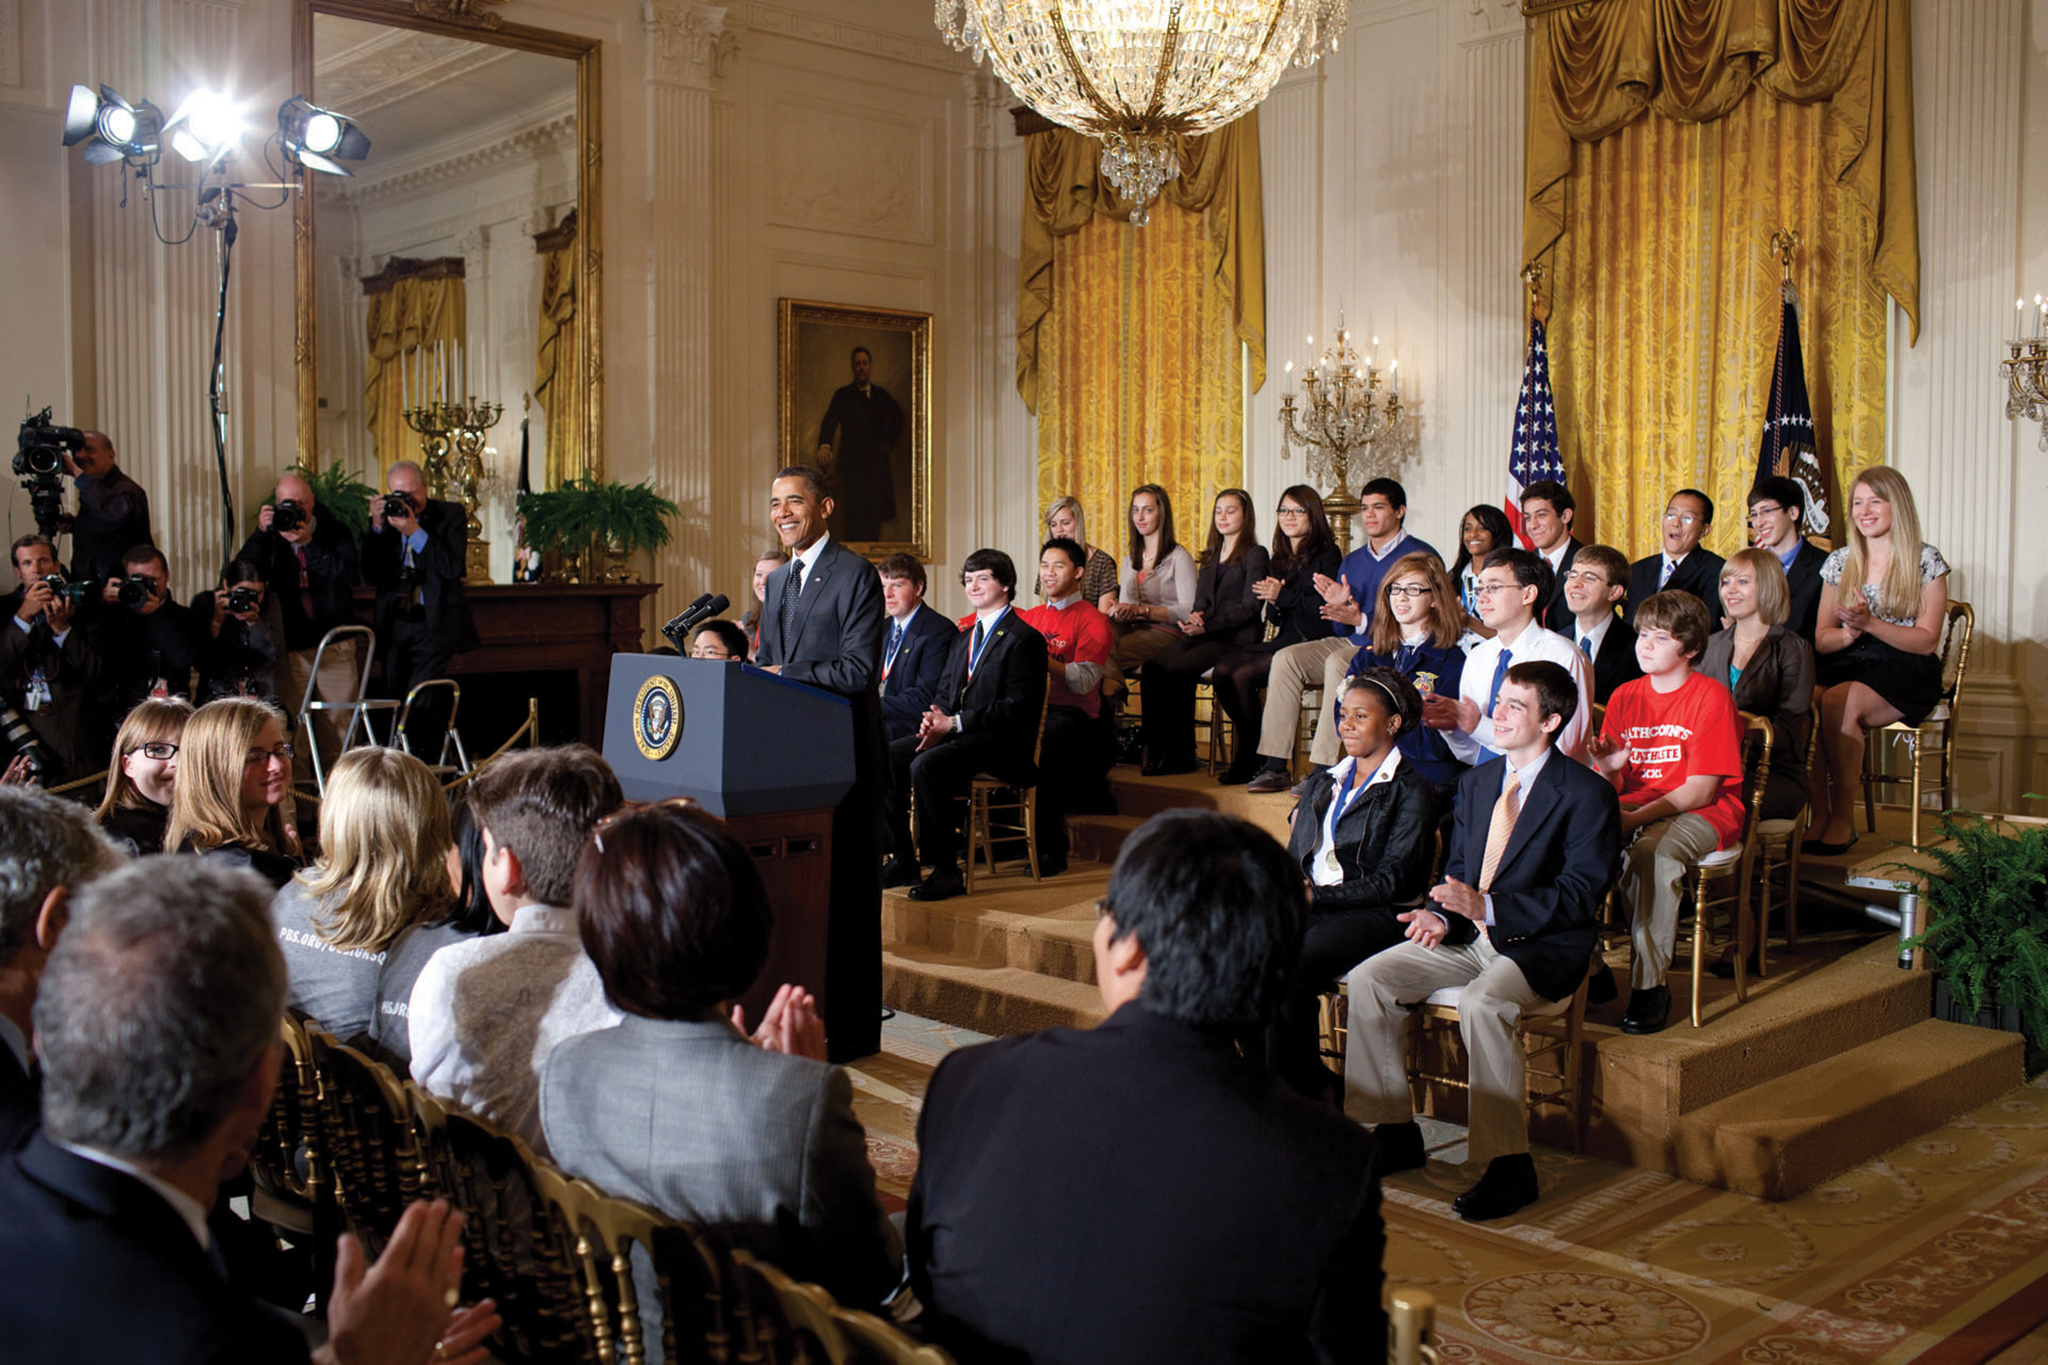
(1296, 669)
(1489, 1007)
(1653, 872)
(340, 671)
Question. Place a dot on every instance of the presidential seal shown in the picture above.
(657, 718)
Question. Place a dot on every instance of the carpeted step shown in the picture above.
(993, 1000)
(1042, 927)
(1787, 1135)
(1100, 837)
(1146, 796)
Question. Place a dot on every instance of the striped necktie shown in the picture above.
(792, 588)
(1499, 828)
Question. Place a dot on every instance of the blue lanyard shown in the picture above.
(895, 649)
(989, 633)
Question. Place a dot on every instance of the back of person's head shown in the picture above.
(902, 566)
(159, 1002)
(384, 838)
(1612, 563)
(1788, 493)
(1390, 489)
(541, 804)
(1681, 616)
(206, 799)
(45, 842)
(1556, 693)
(155, 720)
(1219, 911)
(1530, 569)
(672, 912)
(1551, 491)
(473, 913)
(993, 562)
(1767, 572)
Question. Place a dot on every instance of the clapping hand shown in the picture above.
(1425, 927)
(789, 1025)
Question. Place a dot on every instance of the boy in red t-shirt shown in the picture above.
(1075, 755)
(1672, 745)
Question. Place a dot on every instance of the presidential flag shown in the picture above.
(1535, 456)
(1788, 448)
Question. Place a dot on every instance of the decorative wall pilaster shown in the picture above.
(1486, 227)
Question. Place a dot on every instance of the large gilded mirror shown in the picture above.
(461, 259)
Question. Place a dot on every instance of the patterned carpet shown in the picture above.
(1937, 1252)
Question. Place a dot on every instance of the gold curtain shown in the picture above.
(557, 356)
(1132, 342)
(415, 307)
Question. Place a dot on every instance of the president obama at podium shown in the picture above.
(821, 624)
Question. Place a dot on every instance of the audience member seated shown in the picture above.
(49, 850)
(1883, 605)
(1215, 1215)
(1075, 757)
(1547, 511)
(984, 720)
(50, 673)
(1416, 628)
(416, 944)
(1510, 586)
(1513, 925)
(157, 1028)
(141, 774)
(1682, 566)
(768, 563)
(1225, 619)
(1290, 609)
(722, 641)
(915, 646)
(486, 1013)
(1100, 579)
(1157, 590)
(312, 564)
(234, 774)
(1777, 522)
(241, 636)
(150, 648)
(1484, 530)
(1672, 744)
(383, 868)
(753, 1141)
(1364, 836)
(1767, 668)
(1322, 659)
(1593, 589)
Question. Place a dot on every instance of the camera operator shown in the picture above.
(148, 641)
(50, 673)
(113, 511)
(312, 566)
(416, 556)
(241, 636)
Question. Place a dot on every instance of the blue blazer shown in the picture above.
(912, 683)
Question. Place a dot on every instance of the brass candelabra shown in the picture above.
(452, 443)
(2026, 368)
(1344, 412)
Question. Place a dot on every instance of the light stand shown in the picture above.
(217, 373)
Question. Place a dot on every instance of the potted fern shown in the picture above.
(1987, 927)
(583, 513)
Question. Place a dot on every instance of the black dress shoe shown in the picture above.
(897, 872)
(1237, 774)
(1821, 848)
(1400, 1147)
(1600, 989)
(940, 886)
(1508, 1185)
(1649, 1009)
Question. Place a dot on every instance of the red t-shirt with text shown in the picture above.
(1672, 736)
(1078, 634)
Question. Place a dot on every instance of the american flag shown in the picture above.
(1536, 456)
(1788, 445)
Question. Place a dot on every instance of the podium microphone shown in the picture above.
(702, 609)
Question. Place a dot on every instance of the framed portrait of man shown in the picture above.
(855, 397)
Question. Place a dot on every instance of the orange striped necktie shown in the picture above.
(1499, 828)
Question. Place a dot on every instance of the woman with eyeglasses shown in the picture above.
(383, 868)
(1416, 625)
(1225, 618)
(1484, 530)
(234, 778)
(1290, 609)
(142, 774)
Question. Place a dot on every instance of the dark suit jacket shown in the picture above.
(1553, 875)
(333, 566)
(1223, 594)
(1777, 685)
(1804, 580)
(1699, 574)
(1553, 612)
(21, 1102)
(913, 680)
(441, 566)
(70, 1229)
(1385, 840)
(1004, 698)
(70, 724)
(1218, 1217)
(1615, 663)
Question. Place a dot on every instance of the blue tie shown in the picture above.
(895, 637)
(1586, 645)
(1500, 673)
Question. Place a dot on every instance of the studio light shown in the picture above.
(111, 127)
(207, 127)
(319, 138)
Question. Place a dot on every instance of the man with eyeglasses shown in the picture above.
(1547, 511)
(1681, 566)
(1593, 589)
(1509, 587)
(1777, 522)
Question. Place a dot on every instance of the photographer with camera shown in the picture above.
(113, 511)
(148, 641)
(416, 556)
(241, 636)
(312, 566)
(50, 673)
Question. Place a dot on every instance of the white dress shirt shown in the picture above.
(1476, 684)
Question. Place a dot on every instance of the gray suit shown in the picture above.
(755, 1147)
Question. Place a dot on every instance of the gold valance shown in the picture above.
(1219, 178)
(1597, 65)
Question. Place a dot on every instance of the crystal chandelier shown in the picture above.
(1344, 413)
(1139, 73)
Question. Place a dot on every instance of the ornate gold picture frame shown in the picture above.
(868, 427)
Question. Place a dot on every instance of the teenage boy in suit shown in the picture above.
(1593, 588)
